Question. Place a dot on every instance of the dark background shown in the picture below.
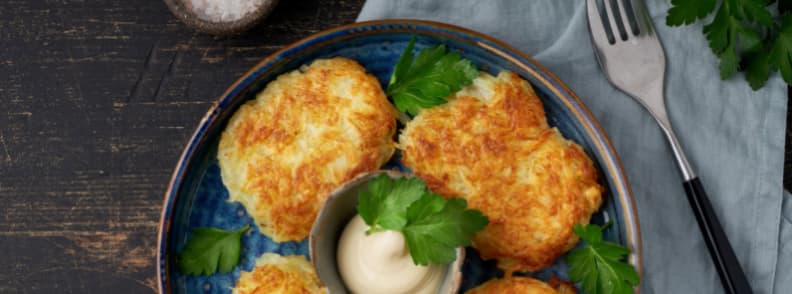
(97, 99)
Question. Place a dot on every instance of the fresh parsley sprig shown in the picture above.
(599, 266)
(426, 80)
(432, 226)
(744, 36)
(210, 250)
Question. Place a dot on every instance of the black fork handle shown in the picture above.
(729, 270)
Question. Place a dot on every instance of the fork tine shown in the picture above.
(612, 19)
(595, 23)
(642, 18)
(625, 17)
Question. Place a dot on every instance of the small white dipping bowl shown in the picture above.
(338, 210)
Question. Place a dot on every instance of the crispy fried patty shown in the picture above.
(522, 285)
(307, 132)
(491, 144)
(275, 274)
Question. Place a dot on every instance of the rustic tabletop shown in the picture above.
(97, 99)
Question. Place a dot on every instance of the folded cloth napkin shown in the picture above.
(733, 136)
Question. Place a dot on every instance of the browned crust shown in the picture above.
(305, 134)
(501, 156)
(516, 285)
(563, 287)
(280, 274)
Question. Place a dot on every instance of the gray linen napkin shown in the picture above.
(733, 136)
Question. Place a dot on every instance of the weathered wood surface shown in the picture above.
(97, 99)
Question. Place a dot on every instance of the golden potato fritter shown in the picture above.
(491, 144)
(304, 134)
(521, 285)
(275, 274)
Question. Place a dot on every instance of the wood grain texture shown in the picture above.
(98, 99)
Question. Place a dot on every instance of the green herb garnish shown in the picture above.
(743, 35)
(432, 226)
(599, 265)
(426, 81)
(210, 250)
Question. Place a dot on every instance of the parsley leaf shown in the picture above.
(210, 250)
(433, 237)
(384, 205)
(728, 63)
(599, 266)
(688, 11)
(743, 35)
(750, 10)
(426, 80)
(758, 70)
(781, 52)
(749, 39)
(432, 226)
(722, 35)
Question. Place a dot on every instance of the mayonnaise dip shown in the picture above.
(381, 263)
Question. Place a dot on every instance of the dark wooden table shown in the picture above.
(97, 99)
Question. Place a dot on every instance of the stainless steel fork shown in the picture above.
(629, 52)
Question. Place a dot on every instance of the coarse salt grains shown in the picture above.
(224, 10)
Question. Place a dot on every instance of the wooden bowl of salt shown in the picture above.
(221, 17)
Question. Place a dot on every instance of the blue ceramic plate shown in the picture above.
(196, 196)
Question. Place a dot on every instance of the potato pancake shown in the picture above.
(275, 274)
(491, 145)
(521, 285)
(306, 133)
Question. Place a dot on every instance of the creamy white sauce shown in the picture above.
(381, 263)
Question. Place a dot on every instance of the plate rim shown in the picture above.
(548, 78)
